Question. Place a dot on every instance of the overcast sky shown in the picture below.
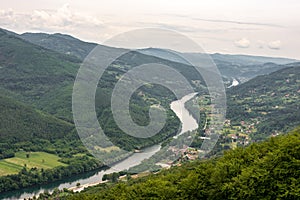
(258, 27)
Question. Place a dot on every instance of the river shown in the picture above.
(89, 178)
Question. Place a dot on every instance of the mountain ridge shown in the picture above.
(37, 37)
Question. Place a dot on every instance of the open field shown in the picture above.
(36, 159)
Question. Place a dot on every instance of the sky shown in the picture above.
(255, 27)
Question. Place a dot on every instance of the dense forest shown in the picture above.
(266, 170)
(20, 122)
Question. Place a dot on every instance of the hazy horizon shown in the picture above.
(231, 27)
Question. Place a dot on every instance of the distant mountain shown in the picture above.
(231, 59)
(270, 102)
(246, 72)
(241, 67)
(250, 60)
(165, 54)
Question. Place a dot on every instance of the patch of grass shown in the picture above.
(36, 159)
(7, 168)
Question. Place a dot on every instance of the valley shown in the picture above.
(40, 146)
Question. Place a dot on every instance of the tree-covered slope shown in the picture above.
(33, 74)
(19, 122)
(267, 170)
(44, 79)
(270, 103)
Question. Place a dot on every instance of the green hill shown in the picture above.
(33, 74)
(267, 170)
(270, 103)
(43, 79)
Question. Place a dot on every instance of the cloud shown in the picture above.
(62, 17)
(276, 45)
(48, 20)
(242, 43)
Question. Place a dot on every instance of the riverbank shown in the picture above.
(82, 187)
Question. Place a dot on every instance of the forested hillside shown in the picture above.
(44, 79)
(267, 170)
(35, 75)
(269, 103)
(19, 122)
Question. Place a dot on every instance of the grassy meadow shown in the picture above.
(36, 159)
